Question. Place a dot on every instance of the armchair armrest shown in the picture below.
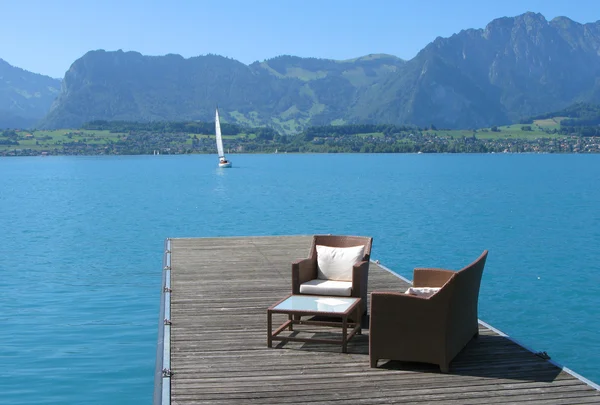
(425, 277)
(303, 270)
(360, 275)
(360, 280)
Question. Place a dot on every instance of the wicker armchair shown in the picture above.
(305, 272)
(425, 329)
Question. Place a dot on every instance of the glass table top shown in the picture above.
(317, 304)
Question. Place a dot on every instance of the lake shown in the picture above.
(83, 240)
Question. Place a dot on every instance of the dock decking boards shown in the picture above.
(221, 288)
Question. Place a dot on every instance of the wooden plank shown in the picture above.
(222, 288)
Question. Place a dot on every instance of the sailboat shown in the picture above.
(222, 161)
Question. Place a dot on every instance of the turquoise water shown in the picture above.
(82, 243)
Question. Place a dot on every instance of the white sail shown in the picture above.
(218, 134)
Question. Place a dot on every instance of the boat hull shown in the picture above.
(225, 165)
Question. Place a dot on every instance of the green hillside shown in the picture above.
(25, 97)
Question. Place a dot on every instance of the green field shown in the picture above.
(372, 135)
(550, 123)
(514, 131)
(46, 140)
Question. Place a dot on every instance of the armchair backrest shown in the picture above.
(342, 242)
(464, 303)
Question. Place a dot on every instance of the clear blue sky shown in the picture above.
(47, 36)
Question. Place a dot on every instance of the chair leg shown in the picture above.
(373, 362)
(444, 368)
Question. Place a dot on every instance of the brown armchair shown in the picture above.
(427, 329)
(308, 279)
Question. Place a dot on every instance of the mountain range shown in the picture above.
(25, 97)
(513, 68)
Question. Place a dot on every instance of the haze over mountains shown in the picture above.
(514, 68)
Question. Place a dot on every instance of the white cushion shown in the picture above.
(326, 287)
(336, 263)
(422, 291)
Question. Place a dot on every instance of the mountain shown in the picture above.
(25, 97)
(513, 68)
(286, 92)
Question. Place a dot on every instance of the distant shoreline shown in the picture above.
(9, 155)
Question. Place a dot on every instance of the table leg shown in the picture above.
(290, 317)
(359, 320)
(269, 331)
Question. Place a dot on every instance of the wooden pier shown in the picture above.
(215, 342)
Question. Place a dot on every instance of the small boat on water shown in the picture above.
(223, 162)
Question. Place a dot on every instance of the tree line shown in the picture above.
(578, 115)
(169, 127)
